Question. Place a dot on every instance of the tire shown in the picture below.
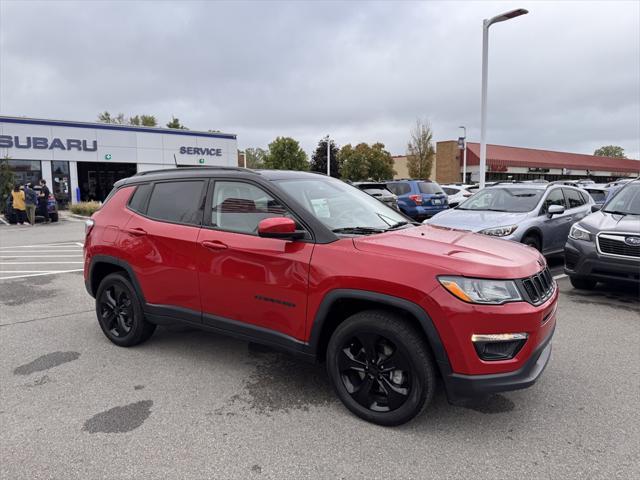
(582, 283)
(53, 217)
(128, 326)
(532, 241)
(397, 343)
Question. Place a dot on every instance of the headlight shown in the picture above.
(480, 290)
(499, 231)
(579, 233)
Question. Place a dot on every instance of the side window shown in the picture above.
(393, 187)
(555, 197)
(574, 198)
(401, 188)
(139, 198)
(239, 207)
(450, 191)
(177, 202)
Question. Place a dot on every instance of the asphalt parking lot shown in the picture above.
(195, 405)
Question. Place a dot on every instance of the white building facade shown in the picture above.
(81, 161)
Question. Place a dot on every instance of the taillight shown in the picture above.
(416, 198)
(88, 225)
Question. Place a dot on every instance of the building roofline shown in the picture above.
(109, 126)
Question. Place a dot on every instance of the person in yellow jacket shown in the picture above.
(19, 205)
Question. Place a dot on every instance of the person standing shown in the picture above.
(30, 200)
(18, 204)
(44, 200)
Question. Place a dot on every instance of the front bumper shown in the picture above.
(460, 387)
(583, 260)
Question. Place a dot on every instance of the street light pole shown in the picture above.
(464, 155)
(486, 23)
(328, 157)
(244, 156)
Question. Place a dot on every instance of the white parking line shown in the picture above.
(38, 256)
(2, 252)
(558, 277)
(38, 274)
(37, 263)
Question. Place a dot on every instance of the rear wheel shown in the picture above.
(583, 283)
(120, 313)
(380, 368)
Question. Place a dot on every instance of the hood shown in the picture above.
(600, 221)
(475, 220)
(457, 252)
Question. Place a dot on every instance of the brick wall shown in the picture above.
(448, 162)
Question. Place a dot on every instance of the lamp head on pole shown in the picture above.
(505, 16)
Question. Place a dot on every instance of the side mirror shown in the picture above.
(279, 227)
(596, 207)
(555, 210)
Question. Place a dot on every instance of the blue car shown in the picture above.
(419, 199)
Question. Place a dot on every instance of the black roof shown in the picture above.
(204, 171)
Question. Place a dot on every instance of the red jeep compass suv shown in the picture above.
(318, 268)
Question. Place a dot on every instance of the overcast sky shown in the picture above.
(565, 77)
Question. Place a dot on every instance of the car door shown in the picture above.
(160, 241)
(246, 278)
(577, 205)
(556, 228)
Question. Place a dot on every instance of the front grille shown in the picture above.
(538, 288)
(610, 244)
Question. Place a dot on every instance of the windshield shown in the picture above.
(340, 206)
(625, 202)
(504, 200)
(430, 187)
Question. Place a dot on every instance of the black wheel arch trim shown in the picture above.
(433, 337)
(108, 259)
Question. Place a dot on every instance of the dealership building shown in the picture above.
(517, 163)
(81, 161)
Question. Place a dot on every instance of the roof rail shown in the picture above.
(204, 167)
(568, 183)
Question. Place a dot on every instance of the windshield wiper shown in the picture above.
(358, 230)
(617, 212)
(401, 224)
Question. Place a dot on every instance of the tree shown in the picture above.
(255, 157)
(285, 154)
(319, 158)
(175, 123)
(610, 151)
(364, 162)
(420, 151)
(143, 120)
(7, 181)
(105, 117)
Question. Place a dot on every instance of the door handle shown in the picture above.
(136, 232)
(213, 245)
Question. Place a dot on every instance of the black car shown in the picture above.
(605, 246)
(379, 191)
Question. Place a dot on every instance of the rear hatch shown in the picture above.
(432, 194)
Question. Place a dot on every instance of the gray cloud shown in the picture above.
(566, 76)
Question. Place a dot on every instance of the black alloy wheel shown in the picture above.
(380, 366)
(375, 373)
(119, 312)
(116, 310)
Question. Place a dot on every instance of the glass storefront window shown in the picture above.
(61, 182)
(26, 171)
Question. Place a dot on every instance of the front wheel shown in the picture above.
(120, 312)
(533, 242)
(380, 368)
(583, 283)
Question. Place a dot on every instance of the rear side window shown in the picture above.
(429, 188)
(177, 202)
(139, 198)
(399, 188)
(574, 199)
(450, 191)
(597, 195)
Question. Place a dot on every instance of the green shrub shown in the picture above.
(85, 209)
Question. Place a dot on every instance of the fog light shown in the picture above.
(498, 346)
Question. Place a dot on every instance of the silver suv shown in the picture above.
(538, 215)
